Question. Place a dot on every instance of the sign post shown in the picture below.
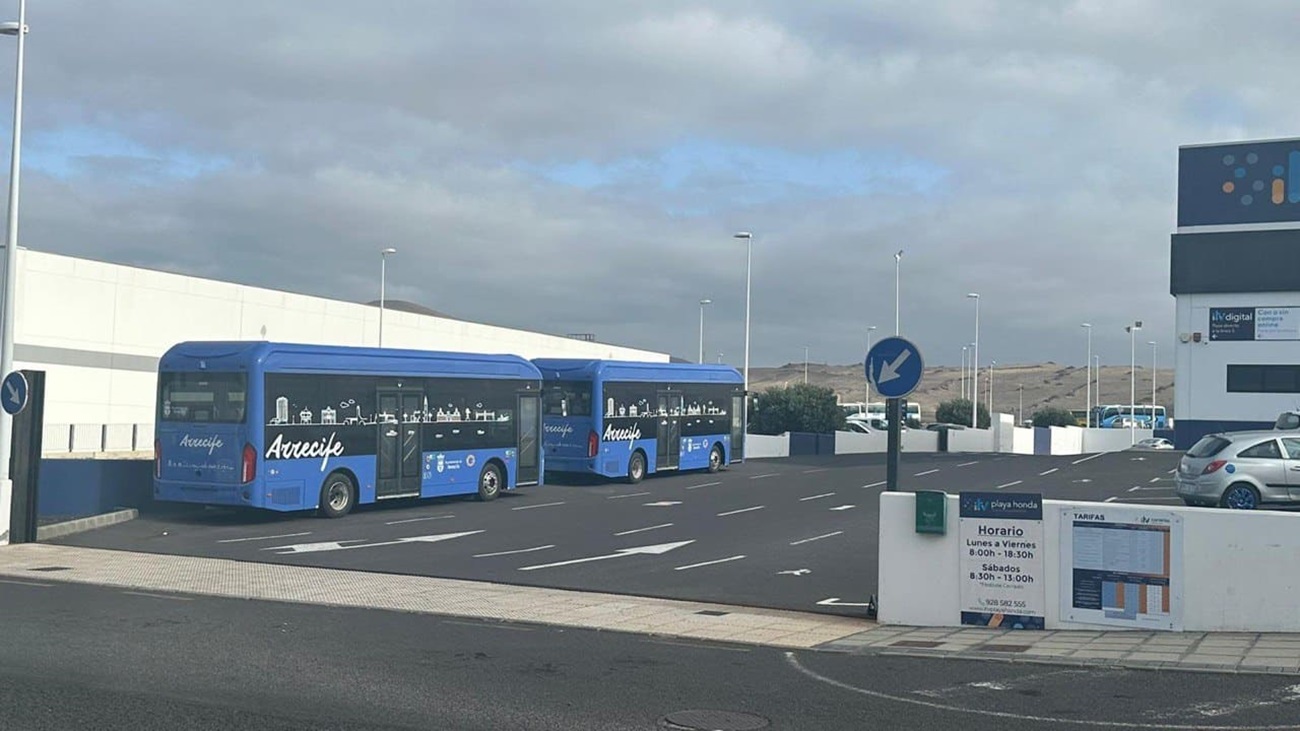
(894, 366)
(22, 394)
(1002, 578)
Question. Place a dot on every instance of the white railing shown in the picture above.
(91, 439)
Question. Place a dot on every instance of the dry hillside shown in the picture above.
(1046, 384)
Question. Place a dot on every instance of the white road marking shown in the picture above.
(794, 572)
(705, 484)
(417, 520)
(1155, 479)
(816, 497)
(1215, 709)
(816, 538)
(1174, 499)
(540, 505)
(968, 464)
(510, 553)
(742, 510)
(1002, 685)
(1135, 488)
(1110, 500)
(631, 494)
(160, 596)
(654, 550)
(927, 472)
(819, 469)
(759, 477)
(338, 545)
(844, 507)
(493, 625)
(707, 563)
(1009, 484)
(835, 602)
(643, 530)
(663, 504)
(1048, 472)
(1085, 459)
(265, 538)
(1172, 471)
(875, 484)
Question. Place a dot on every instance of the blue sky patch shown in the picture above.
(78, 150)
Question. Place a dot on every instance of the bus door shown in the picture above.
(526, 435)
(669, 436)
(398, 461)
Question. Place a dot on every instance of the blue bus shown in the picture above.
(628, 419)
(290, 427)
(1118, 415)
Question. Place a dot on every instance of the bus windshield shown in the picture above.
(202, 397)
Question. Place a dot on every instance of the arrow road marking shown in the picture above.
(835, 602)
(889, 371)
(654, 550)
(794, 572)
(338, 545)
(844, 507)
(264, 538)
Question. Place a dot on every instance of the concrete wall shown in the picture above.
(1022, 440)
(920, 440)
(1066, 439)
(73, 488)
(97, 330)
(1110, 440)
(857, 443)
(971, 440)
(760, 446)
(1238, 567)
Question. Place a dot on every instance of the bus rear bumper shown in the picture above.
(201, 494)
(570, 464)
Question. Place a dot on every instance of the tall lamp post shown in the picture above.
(1020, 404)
(805, 365)
(383, 277)
(1087, 368)
(868, 392)
(992, 365)
(898, 264)
(702, 304)
(975, 365)
(18, 29)
(749, 263)
(1152, 343)
(963, 371)
(1132, 380)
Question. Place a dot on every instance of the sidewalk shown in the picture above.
(1215, 652)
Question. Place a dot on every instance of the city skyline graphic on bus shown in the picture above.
(349, 413)
(641, 408)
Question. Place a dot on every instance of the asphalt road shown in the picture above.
(79, 656)
(796, 533)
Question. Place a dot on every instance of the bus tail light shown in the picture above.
(593, 441)
(249, 470)
(1213, 467)
(157, 458)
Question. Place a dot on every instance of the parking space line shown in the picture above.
(874, 484)
(160, 596)
(541, 505)
(1135, 488)
(1156, 479)
(759, 477)
(265, 538)
(1085, 459)
(1110, 499)
(510, 553)
(1170, 472)
(1009, 484)
(819, 469)
(630, 494)
(1048, 472)
(1145, 499)
(417, 520)
(643, 530)
(706, 484)
(927, 472)
(816, 497)
(968, 464)
(707, 563)
(815, 538)
(742, 510)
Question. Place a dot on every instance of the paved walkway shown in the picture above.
(1218, 652)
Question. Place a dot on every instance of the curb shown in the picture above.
(81, 525)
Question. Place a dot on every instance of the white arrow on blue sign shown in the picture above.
(13, 392)
(894, 366)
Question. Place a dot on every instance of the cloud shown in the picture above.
(581, 167)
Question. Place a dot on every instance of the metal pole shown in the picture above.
(991, 364)
(1153, 385)
(963, 371)
(11, 264)
(1132, 385)
(383, 275)
(805, 365)
(1096, 367)
(749, 262)
(1020, 404)
(1087, 368)
(703, 302)
(868, 391)
(898, 258)
(975, 365)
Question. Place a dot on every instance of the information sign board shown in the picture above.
(1122, 566)
(1002, 578)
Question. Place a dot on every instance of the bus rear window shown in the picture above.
(567, 399)
(202, 397)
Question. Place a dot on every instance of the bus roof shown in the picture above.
(625, 370)
(218, 355)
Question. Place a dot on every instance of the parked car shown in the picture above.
(1241, 470)
(944, 427)
(858, 427)
(1154, 443)
(1287, 420)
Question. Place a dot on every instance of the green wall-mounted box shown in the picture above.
(931, 511)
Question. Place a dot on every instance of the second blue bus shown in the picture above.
(624, 419)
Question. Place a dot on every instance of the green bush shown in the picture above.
(957, 411)
(1054, 416)
(798, 408)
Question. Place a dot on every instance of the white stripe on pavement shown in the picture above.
(815, 538)
(417, 520)
(510, 553)
(927, 472)
(707, 563)
(630, 494)
(874, 484)
(265, 538)
(968, 464)
(1085, 459)
(541, 505)
(742, 510)
(643, 530)
(759, 477)
(1010, 484)
(816, 497)
(1048, 472)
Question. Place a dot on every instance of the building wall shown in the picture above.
(98, 329)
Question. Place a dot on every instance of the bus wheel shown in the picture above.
(636, 467)
(489, 483)
(715, 458)
(337, 496)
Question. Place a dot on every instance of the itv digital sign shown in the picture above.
(1239, 183)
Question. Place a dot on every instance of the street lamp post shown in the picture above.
(1132, 380)
(963, 371)
(1020, 404)
(1152, 343)
(383, 276)
(805, 365)
(749, 264)
(975, 365)
(1096, 367)
(868, 392)
(992, 365)
(898, 263)
(1087, 368)
(702, 304)
(19, 30)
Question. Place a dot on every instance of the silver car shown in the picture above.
(1241, 470)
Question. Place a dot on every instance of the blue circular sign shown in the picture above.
(894, 367)
(13, 393)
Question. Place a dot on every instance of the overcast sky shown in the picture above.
(576, 166)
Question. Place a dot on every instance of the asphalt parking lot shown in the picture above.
(795, 533)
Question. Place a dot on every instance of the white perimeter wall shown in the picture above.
(759, 446)
(971, 440)
(115, 312)
(1238, 567)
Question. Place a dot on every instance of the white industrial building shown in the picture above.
(98, 329)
